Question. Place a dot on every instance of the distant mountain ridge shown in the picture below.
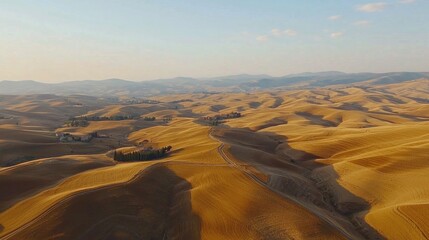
(234, 83)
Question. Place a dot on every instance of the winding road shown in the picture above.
(328, 219)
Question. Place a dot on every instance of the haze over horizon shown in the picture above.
(57, 41)
(255, 76)
(193, 119)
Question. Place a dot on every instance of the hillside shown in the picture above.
(331, 161)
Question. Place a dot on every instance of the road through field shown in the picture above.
(311, 208)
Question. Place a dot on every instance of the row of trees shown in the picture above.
(215, 122)
(111, 118)
(77, 123)
(141, 155)
(149, 118)
(182, 100)
(223, 116)
(82, 121)
(140, 101)
(167, 119)
(220, 118)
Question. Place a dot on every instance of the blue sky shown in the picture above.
(61, 40)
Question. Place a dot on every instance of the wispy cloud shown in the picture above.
(277, 32)
(290, 32)
(407, 1)
(335, 17)
(362, 23)
(337, 34)
(262, 38)
(372, 7)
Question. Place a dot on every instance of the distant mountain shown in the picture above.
(235, 83)
(27, 86)
(319, 74)
(240, 77)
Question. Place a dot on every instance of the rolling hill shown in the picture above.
(236, 83)
(340, 157)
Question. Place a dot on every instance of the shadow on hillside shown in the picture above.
(390, 98)
(420, 100)
(188, 113)
(316, 119)
(155, 205)
(20, 152)
(389, 111)
(271, 123)
(295, 173)
(353, 106)
(254, 105)
(217, 108)
(277, 102)
(27, 180)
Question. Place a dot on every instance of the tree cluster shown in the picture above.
(220, 117)
(140, 101)
(149, 118)
(182, 100)
(111, 118)
(167, 119)
(141, 155)
(215, 122)
(77, 123)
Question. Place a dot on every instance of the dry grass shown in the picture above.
(365, 149)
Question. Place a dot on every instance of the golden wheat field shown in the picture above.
(349, 162)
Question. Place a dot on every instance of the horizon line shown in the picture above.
(205, 78)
